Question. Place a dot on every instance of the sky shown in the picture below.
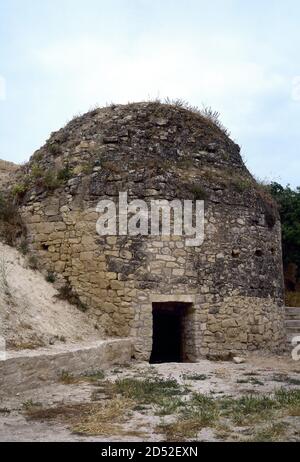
(60, 58)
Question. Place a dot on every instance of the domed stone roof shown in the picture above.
(145, 147)
(146, 130)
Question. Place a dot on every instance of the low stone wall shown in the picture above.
(23, 371)
(236, 297)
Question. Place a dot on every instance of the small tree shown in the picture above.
(289, 205)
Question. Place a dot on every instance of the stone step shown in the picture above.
(293, 330)
(26, 370)
(291, 317)
(292, 323)
(292, 312)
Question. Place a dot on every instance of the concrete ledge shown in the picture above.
(30, 369)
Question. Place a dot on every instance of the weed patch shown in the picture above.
(66, 293)
(67, 378)
(194, 377)
(148, 391)
(273, 432)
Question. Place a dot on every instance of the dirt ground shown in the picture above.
(31, 315)
(90, 409)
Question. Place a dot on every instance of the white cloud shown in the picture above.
(219, 72)
(97, 71)
(296, 88)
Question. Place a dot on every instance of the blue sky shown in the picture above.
(59, 58)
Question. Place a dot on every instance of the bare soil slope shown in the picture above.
(6, 170)
(30, 313)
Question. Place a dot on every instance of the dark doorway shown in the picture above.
(168, 328)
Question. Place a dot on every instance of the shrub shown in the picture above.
(67, 378)
(64, 174)
(94, 376)
(33, 262)
(19, 190)
(288, 201)
(270, 214)
(11, 225)
(87, 168)
(36, 171)
(66, 293)
(198, 192)
(50, 277)
(54, 149)
(7, 209)
(50, 180)
(242, 184)
(23, 247)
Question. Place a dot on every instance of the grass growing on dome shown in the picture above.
(198, 192)
(205, 112)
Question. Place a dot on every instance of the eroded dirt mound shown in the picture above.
(7, 169)
(30, 313)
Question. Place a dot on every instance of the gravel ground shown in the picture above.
(258, 375)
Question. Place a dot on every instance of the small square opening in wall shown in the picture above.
(170, 329)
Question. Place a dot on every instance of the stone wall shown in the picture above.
(233, 281)
(31, 369)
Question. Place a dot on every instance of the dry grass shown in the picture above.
(200, 412)
(223, 431)
(104, 419)
(151, 390)
(112, 167)
(67, 378)
(271, 433)
(181, 430)
(203, 411)
(32, 344)
(114, 403)
(66, 293)
(94, 376)
(63, 412)
(188, 426)
(206, 112)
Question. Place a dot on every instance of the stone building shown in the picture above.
(178, 302)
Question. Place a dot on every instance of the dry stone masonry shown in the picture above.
(230, 288)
